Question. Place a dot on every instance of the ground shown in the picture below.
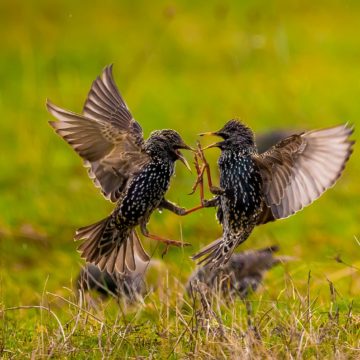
(189, 67)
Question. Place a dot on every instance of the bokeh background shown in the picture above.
(181, 65)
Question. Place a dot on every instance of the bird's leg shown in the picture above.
(213, 189)
(165, 204)
(212, 202)
(167, 242)
(200, 178)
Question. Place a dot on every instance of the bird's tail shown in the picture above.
(216, 253)
(110, 247)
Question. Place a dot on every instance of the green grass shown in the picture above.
(189, 67)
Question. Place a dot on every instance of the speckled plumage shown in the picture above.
(140, 198)
(129, 170)
(257, 188)
(241, 202)
(145, 191)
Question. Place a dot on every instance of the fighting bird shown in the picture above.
(133, 172)
(241, 275)
(258, 188)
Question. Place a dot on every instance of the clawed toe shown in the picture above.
(200, 174)
(197, 182)
(216, 190)
(176, 243)
(169, 243)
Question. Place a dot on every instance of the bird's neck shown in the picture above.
(163, 159)
(242, 151)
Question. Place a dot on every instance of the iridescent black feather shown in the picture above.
(257, 188)
(129, 170)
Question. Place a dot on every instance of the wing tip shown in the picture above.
(350, 126)
(107, 72)
(49, 105)
(53, 124)
(55, 110)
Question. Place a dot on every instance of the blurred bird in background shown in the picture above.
(133, 172)
(130, 285)
(239, 277)
(265, 140)
(258, 188)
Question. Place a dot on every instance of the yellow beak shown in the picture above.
(186, 147)
(213, 134)
(207, 133)
(211, 146)
(183, 160)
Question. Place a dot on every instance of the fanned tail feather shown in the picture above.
(110, 248)
(214, 254)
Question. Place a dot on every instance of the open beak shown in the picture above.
(182, 158)
(212, 145)
(186, 147)
(208, 133)
(213, 133)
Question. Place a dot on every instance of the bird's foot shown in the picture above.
(200, 174)
(213, 189)
(216, 190)
(167, 242)
(200, 153)
(172, 243)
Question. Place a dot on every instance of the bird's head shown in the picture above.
(168, 143)
(235, 135)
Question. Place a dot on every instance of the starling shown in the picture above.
(241, 275)
(133, 172)
(258, 188)
(129, 285)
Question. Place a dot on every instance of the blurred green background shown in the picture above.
(181, 65)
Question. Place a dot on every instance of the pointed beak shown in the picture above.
(182, 159)
(212, 146)
(208, 133)
(187, 147)
(212, 133)
(184, 146)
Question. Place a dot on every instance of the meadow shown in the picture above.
(190, 67)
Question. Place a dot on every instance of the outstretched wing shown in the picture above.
(106, 136)
(301, 167)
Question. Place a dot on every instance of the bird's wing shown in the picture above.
(106, 136)
(298, 169)
(266, 215)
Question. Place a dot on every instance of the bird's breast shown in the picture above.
(241, 180)
(145, 192)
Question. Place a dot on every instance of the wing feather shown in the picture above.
(298, 169)
(106, 136)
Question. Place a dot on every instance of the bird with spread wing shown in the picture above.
(258, 188)
(133, 172)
